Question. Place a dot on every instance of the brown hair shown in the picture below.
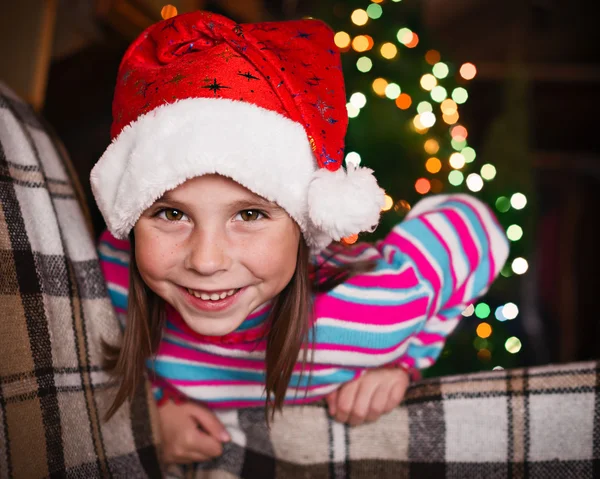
(289, 321)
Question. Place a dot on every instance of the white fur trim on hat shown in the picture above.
(262, 150)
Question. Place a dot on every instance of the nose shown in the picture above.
(208, 252)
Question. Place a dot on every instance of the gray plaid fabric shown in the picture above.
(527, 423)
(54, 309)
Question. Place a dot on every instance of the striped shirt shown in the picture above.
(428, 269)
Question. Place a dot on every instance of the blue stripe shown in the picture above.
(112, 259)
(416, 293)
(363, 339)
(416, 351)
(118, 299)
(190, 372)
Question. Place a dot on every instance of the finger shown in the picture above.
(379, 403)
(209, 422)
(206, 445)
(345, 400)
(362, 402)
(396, 395)
(332, 399)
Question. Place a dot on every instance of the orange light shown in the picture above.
(432, 57)
(377, 1)
(450, 119)
(433, 165)
(468, 71)
(484, 330)
(422, 186)
(350, 239)
(379, 85)
(370, 40)
(448, 106)
(432, 146)
(360, 43)
(402, 207)
(436, 186)
(342, 40)
(484, 354)
(404, 101)
(168, 11)
(414, 41)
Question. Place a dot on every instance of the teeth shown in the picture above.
(212, 296)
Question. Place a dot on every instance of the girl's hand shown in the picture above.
(365, 399)
(190, 433)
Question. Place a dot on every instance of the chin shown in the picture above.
(211, 326)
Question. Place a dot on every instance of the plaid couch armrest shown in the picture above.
(54, 310)
(539, 422)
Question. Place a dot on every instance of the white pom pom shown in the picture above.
(342, 203)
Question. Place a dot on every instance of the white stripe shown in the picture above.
(109, 252)
(357, 358)
(338, 442)
(231, 420)
(214, 349)
(250, 391)
(117, 288)
(370, 328)
(441, 326)
(382, 294)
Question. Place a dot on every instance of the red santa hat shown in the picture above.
(263, 104)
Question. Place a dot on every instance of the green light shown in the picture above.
(424, 106)
(460, 95)
(402, 33)
(440, 70)
(488, 172)
(364, 64)
(513, 345)
(503, 204)
(374, 11)
(514, 232)
(482, 310)
(439, 94)
(392, 91)
(469, 154)
(455, 178)
(506, 271)
(458, 145)
(480, 343)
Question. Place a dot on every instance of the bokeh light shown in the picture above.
(388, 50)
(519, 265)
(440, 70)
(358, 99)
(432, 146)
(432, 57)
(510, 311)
(428, 82)
(457, 161)
(364, 64)
(359, 17)
(469, 311)
(353, 158)
(438, 94)
(488, 172)
(460, 95)
(514, 232)
(513, 345)
(502, 204)
(379, 86)
(468, 71)
(388, 202)
(433, 165)
(392, 91)
(474, 182)
(518, 201)
(484, 330)
(374, 11)
(352, 110)
(482, 310)
(455, 178)
(342, 40)
(404, 101)
(469, 154)
(424, 106)
(427, 119)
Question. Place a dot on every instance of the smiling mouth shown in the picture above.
(212, 296)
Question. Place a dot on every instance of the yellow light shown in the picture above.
(379, 86)
(457, 161)
(359, 17)
(388, 203)
(428, 82)
(449, 107)
(360, 43)
(168, 11)
(450, 119)
(432, 146)
(433, 165)
(432, 57)
(488, 171)
(484, 330)
(513, 345)
(422, 186)
(459, 133)
(404, 101)
(389, 50)
(342, 40)
(468, 71)
(417, 123)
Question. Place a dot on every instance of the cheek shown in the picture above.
(275, 257)
(154, 255)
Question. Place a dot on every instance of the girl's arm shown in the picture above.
(430, 267)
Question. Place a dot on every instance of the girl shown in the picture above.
(224, 195)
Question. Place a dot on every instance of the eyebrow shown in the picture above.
(247, 203)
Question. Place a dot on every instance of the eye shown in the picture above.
(250, 215)
(171, 214)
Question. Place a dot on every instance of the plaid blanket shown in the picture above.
(526, 423)
(536, 423)
(54, 308)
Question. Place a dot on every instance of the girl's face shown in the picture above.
(215, 252)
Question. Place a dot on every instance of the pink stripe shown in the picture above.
(107, 237)
(355, 349)
(115, 273)
(405, 280)
(430, 338)
(329, 307)
(438, 236)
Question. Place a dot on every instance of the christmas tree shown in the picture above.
(405, 100)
